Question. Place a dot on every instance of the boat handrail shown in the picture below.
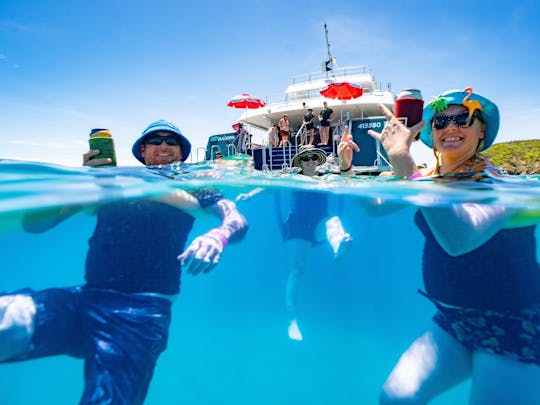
(312, 94)
(203, 149)
(345, 71)
(231, 149)
(300, 133)
(212, 153)
(287, 162)
(266, 147)
(377, 162)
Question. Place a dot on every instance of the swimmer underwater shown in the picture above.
(118, 321)
(479, 266)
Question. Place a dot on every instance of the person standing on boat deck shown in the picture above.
(273, 136)
(307, 226)
(284, 130)
(479, 266)
(242, 140)
(118, 321)
(325, 116)
(308, 122)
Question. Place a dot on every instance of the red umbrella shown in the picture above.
(243, 139)
(342, 91)
(245, 101)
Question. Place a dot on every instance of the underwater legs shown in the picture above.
(17, 314)
(338, 239)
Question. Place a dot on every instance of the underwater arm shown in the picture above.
(462, 228)
(42, 221)
(203, 254)
(181, 199)
(524, 218)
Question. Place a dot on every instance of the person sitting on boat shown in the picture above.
(479, 265)
(308, 225)
(325, 116)
(284, 131)
(309, 126)
(118, 321)
(273, 136)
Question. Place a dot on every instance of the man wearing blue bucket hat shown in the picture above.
(479, 265)
(118, 321)
(150, 136)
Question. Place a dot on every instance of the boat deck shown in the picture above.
(281, 157)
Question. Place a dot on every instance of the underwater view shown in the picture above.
(356, 307)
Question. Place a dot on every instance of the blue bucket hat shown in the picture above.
(490, 113)
(161, 125)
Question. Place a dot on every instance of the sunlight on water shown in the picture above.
(228, 342)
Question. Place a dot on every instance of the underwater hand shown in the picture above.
(203, 253)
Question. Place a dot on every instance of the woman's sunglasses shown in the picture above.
(462, 120)
(157, 139)
(309, 157)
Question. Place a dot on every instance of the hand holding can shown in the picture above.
(101, 139)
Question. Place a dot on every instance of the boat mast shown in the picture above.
(328, 65)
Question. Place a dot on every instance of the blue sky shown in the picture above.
(69, 66)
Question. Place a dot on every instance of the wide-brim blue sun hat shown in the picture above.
(490, 114)
(161, 125)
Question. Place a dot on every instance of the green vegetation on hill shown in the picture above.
(516, 157)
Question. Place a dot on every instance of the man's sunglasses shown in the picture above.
(462, 120)
(308, 158)
(158, 139)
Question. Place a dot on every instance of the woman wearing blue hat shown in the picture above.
(479, 267)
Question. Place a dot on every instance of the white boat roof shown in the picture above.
(304, 92)
(302, 86)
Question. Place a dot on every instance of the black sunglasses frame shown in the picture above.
(307, 158)
(462, 120)
(157, 140)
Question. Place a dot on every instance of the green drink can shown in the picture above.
(101, 139)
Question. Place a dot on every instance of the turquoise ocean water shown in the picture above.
(228, 342)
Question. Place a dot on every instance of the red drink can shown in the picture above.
(409, 106)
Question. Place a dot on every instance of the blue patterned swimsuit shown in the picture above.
(488, 299)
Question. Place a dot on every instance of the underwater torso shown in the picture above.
(135, 245)
(502, 274)
(308, 209)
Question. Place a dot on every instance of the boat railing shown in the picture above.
(300, 133)
(266, 147)
(311, 94)
(213, 154)
(231, 149)
(287, 150)
(346, 71)
(380, 157)
(203, 149)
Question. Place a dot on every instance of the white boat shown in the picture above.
(304, 92)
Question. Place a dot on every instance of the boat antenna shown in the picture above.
(328, 64)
